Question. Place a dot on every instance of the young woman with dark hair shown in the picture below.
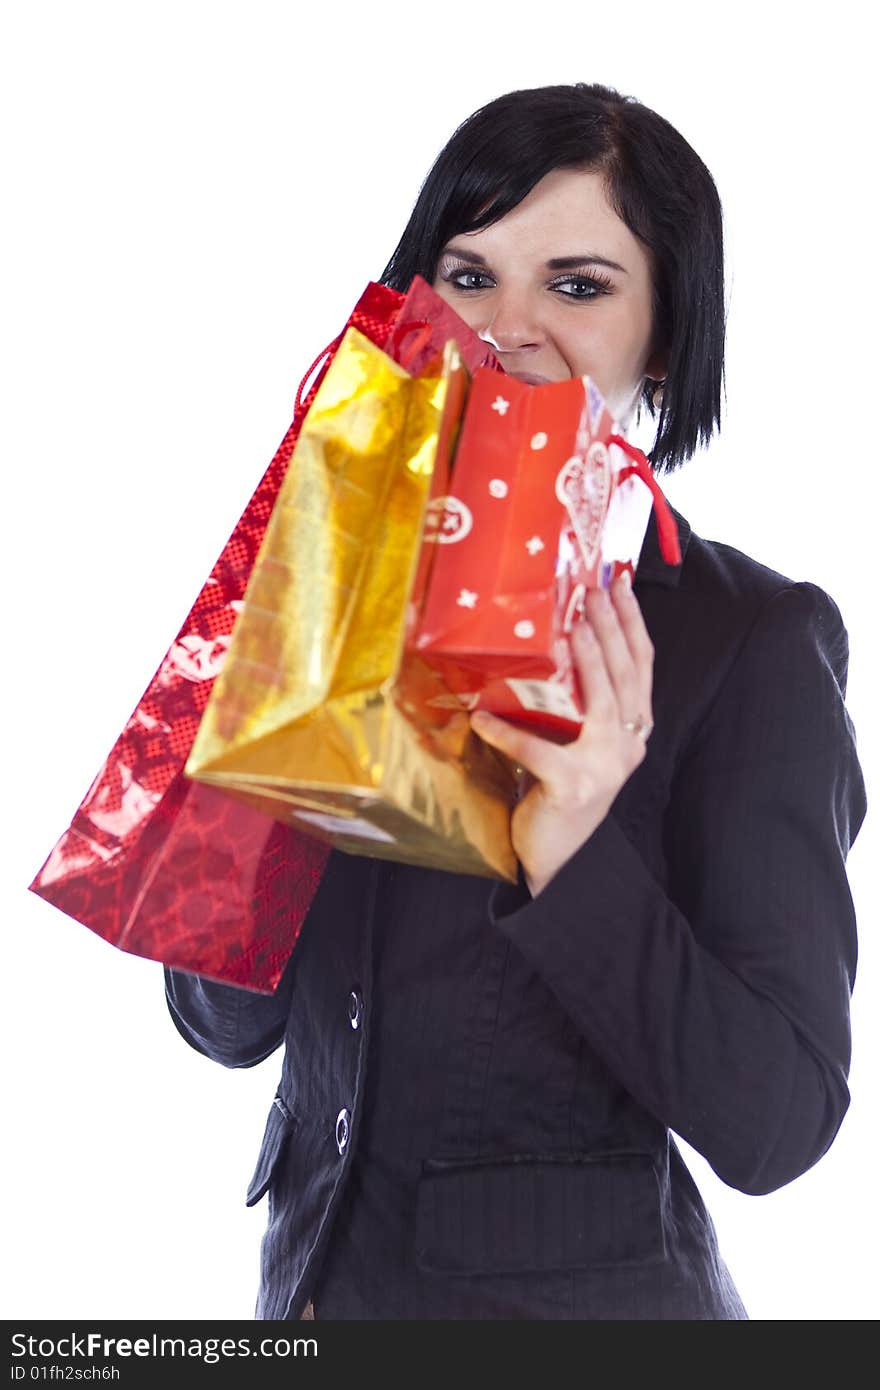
(481, 1081)
(654, 183)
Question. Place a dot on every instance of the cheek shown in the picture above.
(611, 356)
(611, 348)
(586, 350)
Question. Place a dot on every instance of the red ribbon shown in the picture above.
(422, 330)
(667, 530)
(327, 352)
(423, 333)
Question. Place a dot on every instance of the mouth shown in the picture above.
(530, 378)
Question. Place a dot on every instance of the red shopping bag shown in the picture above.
(175, 871)
(546, 500)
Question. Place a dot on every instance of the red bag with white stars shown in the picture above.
(176, 871)
(546, 499)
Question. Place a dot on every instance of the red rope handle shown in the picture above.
(328, 350)
(667, 530)
(422, 330)
(423, 333)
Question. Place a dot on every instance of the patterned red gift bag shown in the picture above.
(175, 871)
(546, 499)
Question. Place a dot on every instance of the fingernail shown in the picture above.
(625, 581)
(481, 716)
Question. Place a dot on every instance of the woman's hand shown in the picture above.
(572, 786)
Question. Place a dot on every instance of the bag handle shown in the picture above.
(667, 530)
(424, 332)
(319, 360)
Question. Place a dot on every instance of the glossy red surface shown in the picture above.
(181, 873)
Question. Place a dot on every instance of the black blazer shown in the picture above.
(701, 944)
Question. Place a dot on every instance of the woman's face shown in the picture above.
(562, 287)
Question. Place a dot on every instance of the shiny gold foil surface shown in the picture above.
(318, 715)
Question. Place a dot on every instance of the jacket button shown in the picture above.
(343, 1129)
(355, 1008)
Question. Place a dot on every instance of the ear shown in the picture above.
(657, 365)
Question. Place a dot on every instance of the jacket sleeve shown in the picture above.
(720, 1001)
(232, 1026)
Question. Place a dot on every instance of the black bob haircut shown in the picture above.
(656, 184)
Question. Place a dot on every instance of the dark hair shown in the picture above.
(656, 184)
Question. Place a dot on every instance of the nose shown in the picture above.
(511, 323)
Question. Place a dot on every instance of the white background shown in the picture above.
(195, 195)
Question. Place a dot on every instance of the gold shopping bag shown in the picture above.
(319, 715)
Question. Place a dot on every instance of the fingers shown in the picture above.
(597, 688)
(613, 656)
(537, 755)
(616, 669)
(632, 624)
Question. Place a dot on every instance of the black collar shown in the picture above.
(652, 568)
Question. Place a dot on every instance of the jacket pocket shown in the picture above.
(535, 1214)
(278, 1128)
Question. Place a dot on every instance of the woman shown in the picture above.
(480, 1080)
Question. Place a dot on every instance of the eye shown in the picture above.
(582, 286)
(455, 277)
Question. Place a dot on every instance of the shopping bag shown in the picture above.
(547, 500)
(313, 715)
(177, 872)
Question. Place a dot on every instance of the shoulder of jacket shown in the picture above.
(715, 565)
(761, 609)
(719, 570)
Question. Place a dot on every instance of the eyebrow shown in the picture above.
(557, 263)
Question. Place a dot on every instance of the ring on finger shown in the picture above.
(639, 726)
